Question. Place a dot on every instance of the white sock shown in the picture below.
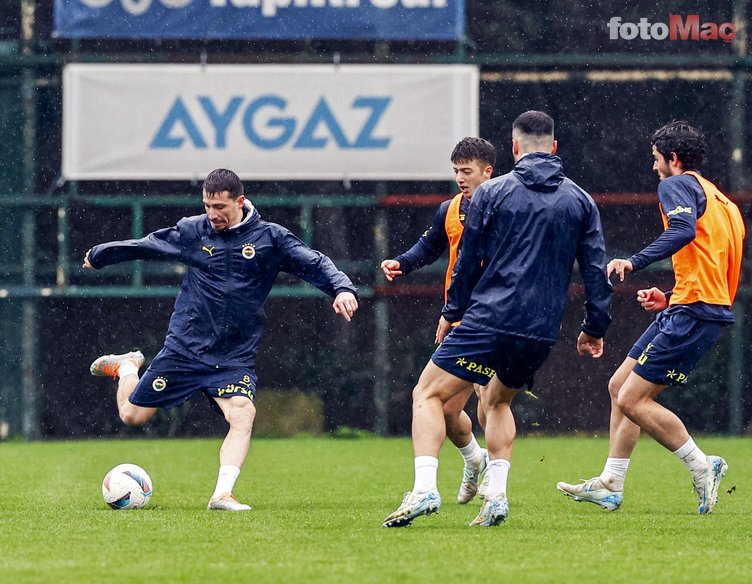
(228, 474)
(127, 368)
(426, 469)
(472, 454)
(498, 472)
(614, 473)
(693, 458)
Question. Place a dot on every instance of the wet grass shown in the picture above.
(318, 506)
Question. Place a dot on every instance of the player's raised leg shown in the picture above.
(124, 367)
(240, 414)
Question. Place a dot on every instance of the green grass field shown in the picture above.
(318, 507)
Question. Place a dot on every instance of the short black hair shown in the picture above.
(472, 148)
(221, 180)
(534, 123)
(685, 140)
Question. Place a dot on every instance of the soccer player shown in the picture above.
(704, 232)
(523, 233)
(233, 258)
(473, 160)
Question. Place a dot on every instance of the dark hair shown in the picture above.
(534, 123)
(471, 148)
(686, 141)
(221, 180)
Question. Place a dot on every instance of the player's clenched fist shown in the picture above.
(391, 269)
(652, 299)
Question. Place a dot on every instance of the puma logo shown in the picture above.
(209, 250)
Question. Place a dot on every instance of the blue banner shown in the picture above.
(261, 19)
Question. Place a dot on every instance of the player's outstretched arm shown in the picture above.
(652, 299)
(621, 267)
(345, 304)
(391, 269)
(587, 345)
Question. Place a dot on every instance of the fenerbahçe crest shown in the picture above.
(248, 251)
(159, 384)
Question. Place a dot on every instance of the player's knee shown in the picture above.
(626, 403)
(420, 393)
(134, 418)
(241, 414)
(614, 385)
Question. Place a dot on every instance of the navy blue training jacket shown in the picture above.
(523, 233)
(219, 316)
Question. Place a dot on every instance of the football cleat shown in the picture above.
(470, 478)
(707, 486)
(226, 502)
(413, 505)
(483, 487)
(593, 491)
(493, 512)
(109, 365)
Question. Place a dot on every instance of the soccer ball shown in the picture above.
(127, 486)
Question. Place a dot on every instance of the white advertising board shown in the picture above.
(266, 122)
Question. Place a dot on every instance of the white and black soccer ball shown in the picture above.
(127, 486)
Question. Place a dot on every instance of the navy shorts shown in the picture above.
(670, 348)
(477, 356)
(172, 379)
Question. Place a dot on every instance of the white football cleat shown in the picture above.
(109, 365)
(413, 505)
(593, 491)
(470, 478)
(493, 512)
(707, 487)
(226, 502)
(483, 487)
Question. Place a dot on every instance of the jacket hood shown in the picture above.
(539, 171)
(251, 211)
(251, 216)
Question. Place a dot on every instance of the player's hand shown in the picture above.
(587, 345)
(621, 267)
(345, 304)
(391, 269)
(652, 299)
(442, 330)
(87, 263)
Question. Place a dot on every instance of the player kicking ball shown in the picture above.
(233, 258)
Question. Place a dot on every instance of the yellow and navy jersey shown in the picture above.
(454, 225)
(704, 233)
(445, 232)
(707, 269)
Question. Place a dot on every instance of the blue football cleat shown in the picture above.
(414, 505)
(707, 487)
(593, 491)
(493, 512)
